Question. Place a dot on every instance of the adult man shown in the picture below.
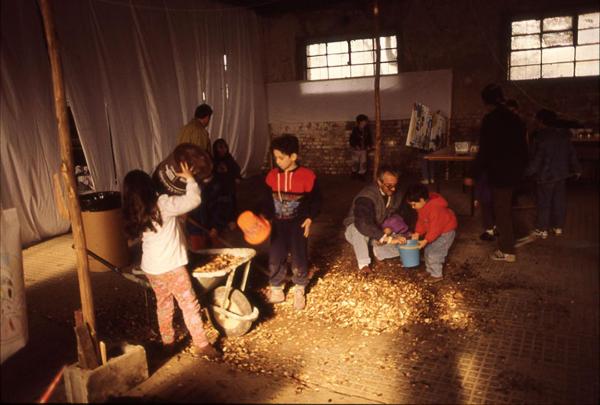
(370, 208)
(502, 157)
(195, 131)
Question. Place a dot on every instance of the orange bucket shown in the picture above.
(256, 229)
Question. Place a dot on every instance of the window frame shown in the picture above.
(560, 12)
(345, 38)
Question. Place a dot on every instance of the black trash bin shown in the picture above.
(103, 229)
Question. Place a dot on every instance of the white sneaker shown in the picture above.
(503, 257)
(276, 295)
(299, 298)
(540, 234)
(557, 231)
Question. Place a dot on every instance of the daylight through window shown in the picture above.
(563, 46)
(352, 58)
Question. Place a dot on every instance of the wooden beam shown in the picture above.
(67, 170)
(377, 157)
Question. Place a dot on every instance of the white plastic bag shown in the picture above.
(13, 333)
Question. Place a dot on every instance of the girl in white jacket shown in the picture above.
(164, 254)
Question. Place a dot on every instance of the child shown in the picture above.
(437, 223)
(393, 226)
(227, 174)
(293, 202)
(360, 142)
(164, 256)
(202, 225)
(554, 161)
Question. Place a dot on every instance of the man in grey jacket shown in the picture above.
(371, 206)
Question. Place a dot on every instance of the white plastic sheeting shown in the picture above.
(134, 71)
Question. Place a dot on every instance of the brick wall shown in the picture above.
(324, 145)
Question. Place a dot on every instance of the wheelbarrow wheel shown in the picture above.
(238, 304)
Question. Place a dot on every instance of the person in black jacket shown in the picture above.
(227, 173)
(360, 142)
(502, 157)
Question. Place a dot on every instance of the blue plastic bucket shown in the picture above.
(409, 253)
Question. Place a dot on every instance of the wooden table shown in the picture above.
(449, 155)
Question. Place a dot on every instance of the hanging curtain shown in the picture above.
(29, 148)
(134, 73)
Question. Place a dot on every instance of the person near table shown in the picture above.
(502, 156)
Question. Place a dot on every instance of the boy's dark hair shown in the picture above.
(361, 117)
(547, 117)
(385, 168)
(492, 94)
(415, 192)
(286, 144)
(203, 110)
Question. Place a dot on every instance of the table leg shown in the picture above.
(472, 200)
(437, 180)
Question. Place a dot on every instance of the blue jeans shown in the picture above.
(551, 205)
(436, 252)
(360, 244)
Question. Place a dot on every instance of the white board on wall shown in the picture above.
(344, 99)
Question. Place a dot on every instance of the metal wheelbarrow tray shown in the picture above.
(231, 311)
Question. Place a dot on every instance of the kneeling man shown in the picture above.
(370, 208)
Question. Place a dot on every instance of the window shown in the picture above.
(351, 58)
(563, 46)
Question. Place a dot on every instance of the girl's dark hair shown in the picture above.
(139, 204)
(415, 192)
(216, 144)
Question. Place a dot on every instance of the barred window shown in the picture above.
(562, 46)
(350, 58)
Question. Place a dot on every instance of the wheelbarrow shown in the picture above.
(229, 308)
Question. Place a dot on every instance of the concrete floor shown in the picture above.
(530, 335)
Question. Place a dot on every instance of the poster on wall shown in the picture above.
(427, 129)
(14, 331)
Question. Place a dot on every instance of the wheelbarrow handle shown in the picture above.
(250, 317)
(114, 268)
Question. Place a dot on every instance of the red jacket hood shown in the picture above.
(436, 200)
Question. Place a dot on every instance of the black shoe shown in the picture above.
(487, 237)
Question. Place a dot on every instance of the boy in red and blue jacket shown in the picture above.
(292, 204)
(436, 223)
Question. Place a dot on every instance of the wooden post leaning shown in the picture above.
(67, 171)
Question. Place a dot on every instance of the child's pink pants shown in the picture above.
(176, 283)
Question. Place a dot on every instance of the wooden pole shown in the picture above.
(377, 157)
(66, 168)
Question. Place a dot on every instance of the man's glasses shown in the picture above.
(390, 187)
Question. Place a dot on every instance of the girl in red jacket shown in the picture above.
(436, 223)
